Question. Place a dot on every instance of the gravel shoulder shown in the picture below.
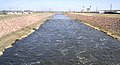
(107, 23)
(19, 27)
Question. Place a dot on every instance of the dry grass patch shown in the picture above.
(24, 29)
(108, 24)
(102, 15)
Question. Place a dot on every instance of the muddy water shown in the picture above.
(62, 41)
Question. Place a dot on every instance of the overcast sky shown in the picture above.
(58, 5)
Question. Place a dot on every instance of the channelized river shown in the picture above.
(63, 41)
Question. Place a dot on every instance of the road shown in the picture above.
(63, 41)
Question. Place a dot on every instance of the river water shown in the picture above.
(63, 41)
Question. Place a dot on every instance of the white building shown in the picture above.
(109, 11)
(118, 12)
(10, 12)
(27, 12)
(101, 12)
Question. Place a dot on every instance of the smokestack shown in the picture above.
(96, 8)
(110, 7)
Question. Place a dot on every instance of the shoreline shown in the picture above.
(8, 40)
(111, 33)
(102, 30)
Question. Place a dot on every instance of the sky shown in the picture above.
(58, 5)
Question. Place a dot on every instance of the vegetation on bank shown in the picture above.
(16, 28)
(109, 23)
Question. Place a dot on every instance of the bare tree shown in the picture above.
(82, 9)
(4, 12)
(88, 9)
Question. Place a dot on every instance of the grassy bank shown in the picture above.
(108, 23)
(7, 40)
